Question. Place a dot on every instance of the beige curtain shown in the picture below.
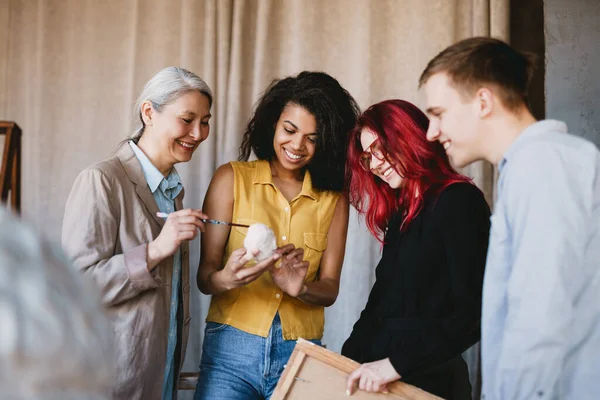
(71, 69)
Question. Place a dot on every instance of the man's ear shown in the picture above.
(485, 102)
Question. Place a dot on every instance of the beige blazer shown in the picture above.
(110, 217)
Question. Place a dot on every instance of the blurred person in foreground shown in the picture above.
(54, 338)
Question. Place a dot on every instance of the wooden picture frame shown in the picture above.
(10, 170)
(316, 373)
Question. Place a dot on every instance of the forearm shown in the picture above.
(120, 277)
(320, 293)
(439, 344)
(154, 256)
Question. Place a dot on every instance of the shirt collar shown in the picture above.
(154, 177)
(171, 186)
(548, 125)
(263, 176)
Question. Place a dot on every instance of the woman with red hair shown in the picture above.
(425, 307)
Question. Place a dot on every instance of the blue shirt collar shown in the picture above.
(154, 177)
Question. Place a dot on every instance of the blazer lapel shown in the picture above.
(133, 168)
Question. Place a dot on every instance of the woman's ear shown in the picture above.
(147, 111)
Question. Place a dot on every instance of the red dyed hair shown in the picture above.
(401, 128)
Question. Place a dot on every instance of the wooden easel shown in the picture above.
(10, 174)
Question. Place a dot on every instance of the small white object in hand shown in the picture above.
(260, 237)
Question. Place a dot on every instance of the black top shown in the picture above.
(425, 306)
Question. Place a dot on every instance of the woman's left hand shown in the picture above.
(372, 377)
(290, 273)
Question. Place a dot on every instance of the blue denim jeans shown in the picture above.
(238, 365)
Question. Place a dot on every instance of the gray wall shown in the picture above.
(572, 30)
(527, 35)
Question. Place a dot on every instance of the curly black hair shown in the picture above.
(335, 112)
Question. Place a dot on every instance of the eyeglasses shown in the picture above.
(374, 150)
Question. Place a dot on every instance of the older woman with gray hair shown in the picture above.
(113, 233)
(54, 337)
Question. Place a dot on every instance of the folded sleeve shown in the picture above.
(89, 237)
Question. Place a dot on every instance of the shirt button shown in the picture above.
(284, 238)
(277, 296)
(287, 209)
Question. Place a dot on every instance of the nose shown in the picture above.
(199, 132)
(196, 132)
(297, 142)
(433, 132)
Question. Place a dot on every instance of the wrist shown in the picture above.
(395, 375)
(154, 255)
(303, 290)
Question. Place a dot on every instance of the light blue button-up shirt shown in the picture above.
(165, 190)
(541, 295)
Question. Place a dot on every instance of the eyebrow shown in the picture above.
(368, 149)
(191, 113)
(292, 124)
(296, 127)
(433, 110)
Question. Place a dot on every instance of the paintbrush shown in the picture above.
(207, 221)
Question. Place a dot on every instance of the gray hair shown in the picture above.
(166, 86)
(55, 341)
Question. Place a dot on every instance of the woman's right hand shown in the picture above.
(180, 226)
(235, 273)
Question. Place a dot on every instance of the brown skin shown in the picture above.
(295, 132)
(212, 277)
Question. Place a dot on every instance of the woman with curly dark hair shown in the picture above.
(299, 133)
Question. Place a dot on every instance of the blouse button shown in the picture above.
(277, 296)
(284, 238)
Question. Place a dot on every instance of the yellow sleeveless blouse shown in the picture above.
(304, 222)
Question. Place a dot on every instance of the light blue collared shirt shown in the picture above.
(541, 293)
(165, 190)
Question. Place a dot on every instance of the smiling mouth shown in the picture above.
(292, 156)
(387, 172)
(185, 145)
